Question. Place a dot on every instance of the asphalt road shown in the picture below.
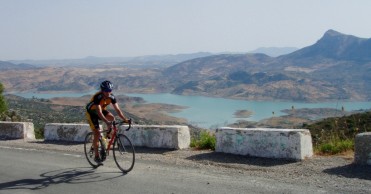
(26, 170)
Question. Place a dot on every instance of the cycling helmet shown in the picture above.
(106, 86)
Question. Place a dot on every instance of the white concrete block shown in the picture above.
(17, 130)
(159, 136)
(66, 131)
(362, 148)
(265, 142)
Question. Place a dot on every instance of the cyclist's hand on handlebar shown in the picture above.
(109, 124)
(128, 121)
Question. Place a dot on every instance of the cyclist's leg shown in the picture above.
(109, 117)
(96, 142)
(94, 126)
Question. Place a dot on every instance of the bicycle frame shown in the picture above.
(114, 134)
(113, 137)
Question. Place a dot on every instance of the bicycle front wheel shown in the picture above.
(123, 153)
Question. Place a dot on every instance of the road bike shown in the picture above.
(122, 148)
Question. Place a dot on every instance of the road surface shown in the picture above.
(27, 170)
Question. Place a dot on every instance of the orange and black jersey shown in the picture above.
(100, 99)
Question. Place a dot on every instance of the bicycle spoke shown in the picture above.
(124, 153)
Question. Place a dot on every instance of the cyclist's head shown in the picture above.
(106, 86)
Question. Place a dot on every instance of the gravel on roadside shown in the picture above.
(336, 172)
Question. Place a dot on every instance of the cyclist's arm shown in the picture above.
(119, 112)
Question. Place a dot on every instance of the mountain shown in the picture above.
(4, 65)
(336, 66)
(144, 61)
(274, 51)
(341, 61)
(335, 46)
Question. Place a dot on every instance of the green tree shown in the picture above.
(3, 105)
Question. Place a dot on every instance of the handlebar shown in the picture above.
(123, 122)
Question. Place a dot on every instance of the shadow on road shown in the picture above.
(59, 142)
(237, 159)
(351, 171)
(146, 150)
(63, 176)
(221, 158)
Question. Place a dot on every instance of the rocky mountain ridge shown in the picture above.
(336, 66)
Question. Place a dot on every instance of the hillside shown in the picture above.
(336, 67)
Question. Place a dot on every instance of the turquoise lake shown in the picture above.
(211, 112)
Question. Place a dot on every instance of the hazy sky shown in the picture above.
(58, 29)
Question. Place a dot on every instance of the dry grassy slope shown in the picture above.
(152, 81)
(20, 80)
(68, 78)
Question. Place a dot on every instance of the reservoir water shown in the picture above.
(209, 112)
(212, 112)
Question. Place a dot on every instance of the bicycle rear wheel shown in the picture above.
(123, 153)
(89, 150)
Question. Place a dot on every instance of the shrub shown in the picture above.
(206, 140)
(336, 135)
(336, 147)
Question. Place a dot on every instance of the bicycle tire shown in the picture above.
(89, 151)
(123, 153)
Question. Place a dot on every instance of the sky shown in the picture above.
(69, 29)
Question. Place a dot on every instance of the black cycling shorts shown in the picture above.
(93, 118)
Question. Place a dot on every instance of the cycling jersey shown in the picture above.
(91, 108)
(100, 99)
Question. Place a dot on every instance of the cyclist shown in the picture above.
(96, 110)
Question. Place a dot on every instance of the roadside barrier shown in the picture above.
(260, 142)
(154, 136)
(271, 143)
(66, 131)
(16, 130)
(265, 142)
(160, 136)
(362, 149)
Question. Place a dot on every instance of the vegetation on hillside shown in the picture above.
(3, 105)
(40, 112)
(5, 114)
(336, 135)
